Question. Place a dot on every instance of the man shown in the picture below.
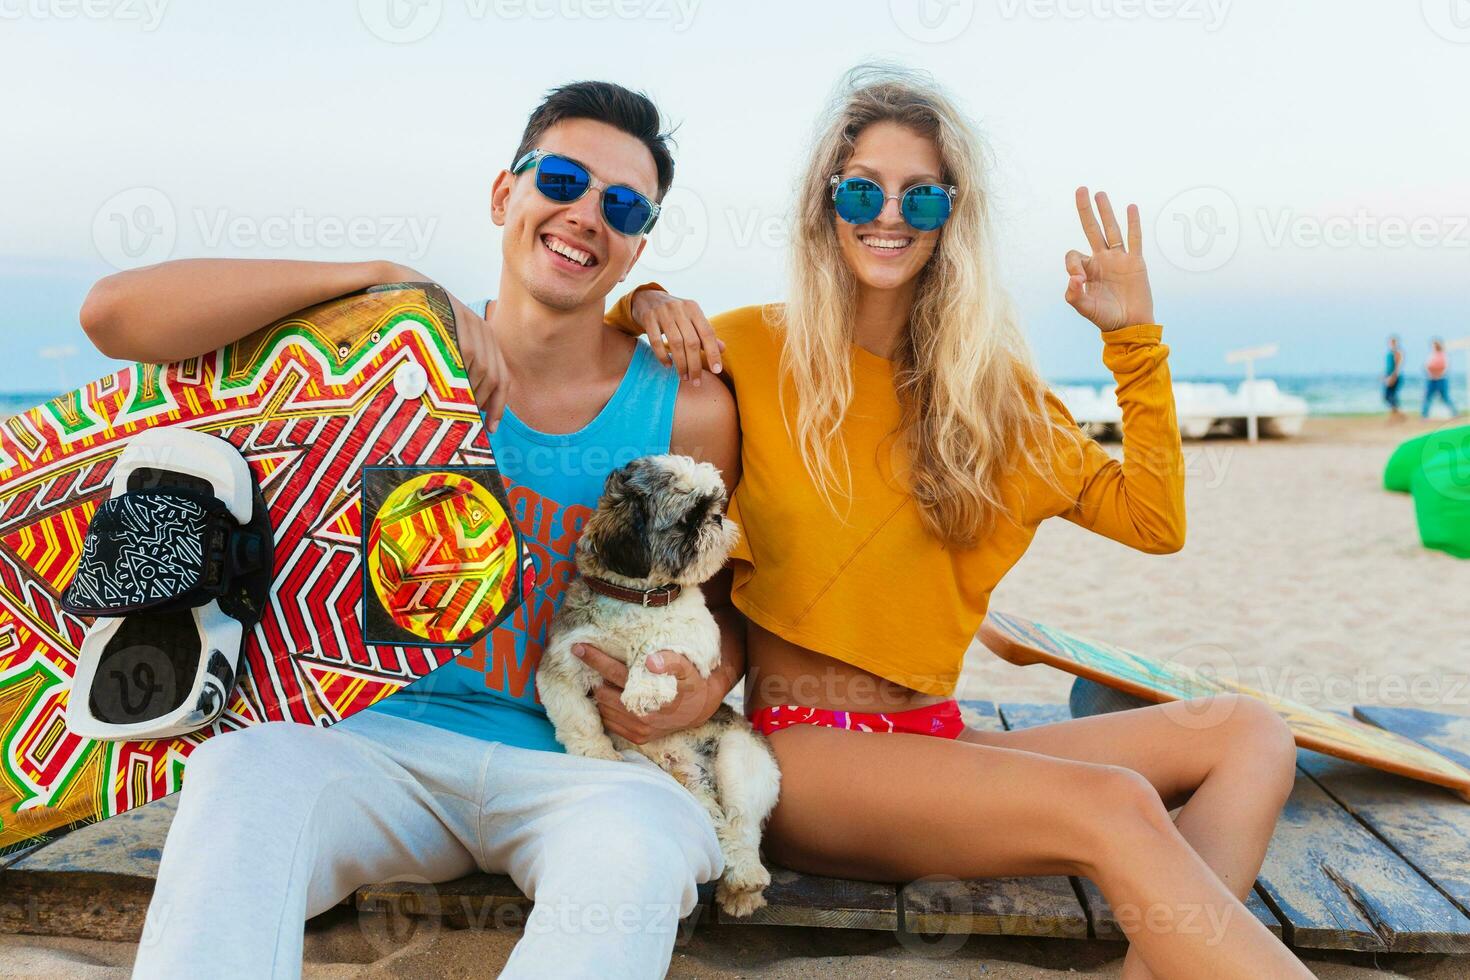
(1393, 376)
(461, 770)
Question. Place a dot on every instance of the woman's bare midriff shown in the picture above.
(778, 671)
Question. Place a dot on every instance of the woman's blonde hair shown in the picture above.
(972, 401)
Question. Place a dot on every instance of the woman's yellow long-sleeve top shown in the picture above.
(878, 590)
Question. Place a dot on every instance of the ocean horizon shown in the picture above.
(1325, 394)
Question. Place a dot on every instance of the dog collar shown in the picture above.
(661, 596)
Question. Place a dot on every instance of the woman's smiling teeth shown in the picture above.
(566, 251)
(888, 244)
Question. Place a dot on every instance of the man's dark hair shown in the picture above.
(632, 112)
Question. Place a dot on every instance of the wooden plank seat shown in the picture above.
(1361, 860)
(1425, 827)
(94, 883)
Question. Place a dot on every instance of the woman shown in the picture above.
(1436, 382)
(899, 450)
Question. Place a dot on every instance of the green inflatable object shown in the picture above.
(1402, 465)
(1441, 490)
(1412, 454)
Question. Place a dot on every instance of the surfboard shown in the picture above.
(1023, 642)
(394, 545)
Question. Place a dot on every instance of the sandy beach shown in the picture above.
(1300, 573)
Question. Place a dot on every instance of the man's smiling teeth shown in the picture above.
(562, 248)
(875, 242)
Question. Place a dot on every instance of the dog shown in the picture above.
(658, 533)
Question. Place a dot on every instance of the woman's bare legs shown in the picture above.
(899, 807)
(1229, 760)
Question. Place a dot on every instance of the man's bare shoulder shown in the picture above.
(707, 403)
(706, 425)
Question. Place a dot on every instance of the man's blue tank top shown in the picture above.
(554, 482)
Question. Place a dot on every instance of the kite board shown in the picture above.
(1024, 642)
(393, 544)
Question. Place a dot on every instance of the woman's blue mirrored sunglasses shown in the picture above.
(924, 206)
(564, 180)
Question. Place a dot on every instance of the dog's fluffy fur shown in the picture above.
(661, 520)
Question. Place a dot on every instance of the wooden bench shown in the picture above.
(1361, 860)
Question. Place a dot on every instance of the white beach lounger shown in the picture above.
(1279, 414)
(1094, 410)
(1197, 406)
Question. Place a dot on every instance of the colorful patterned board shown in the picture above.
(1024, 642)
(357, 406)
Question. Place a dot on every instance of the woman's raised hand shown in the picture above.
(1110, 286)
(679, 332)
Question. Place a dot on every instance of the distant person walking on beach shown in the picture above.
(1392, 376)
(1436, 371)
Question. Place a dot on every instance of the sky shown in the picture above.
(1303, 169)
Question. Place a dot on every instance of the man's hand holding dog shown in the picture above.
(697, 699)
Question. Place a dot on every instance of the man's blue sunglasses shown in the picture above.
(924, 206)
(563, 180)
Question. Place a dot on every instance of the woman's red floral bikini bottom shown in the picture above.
(941, 720)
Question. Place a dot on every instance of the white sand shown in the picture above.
(1297, 564)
